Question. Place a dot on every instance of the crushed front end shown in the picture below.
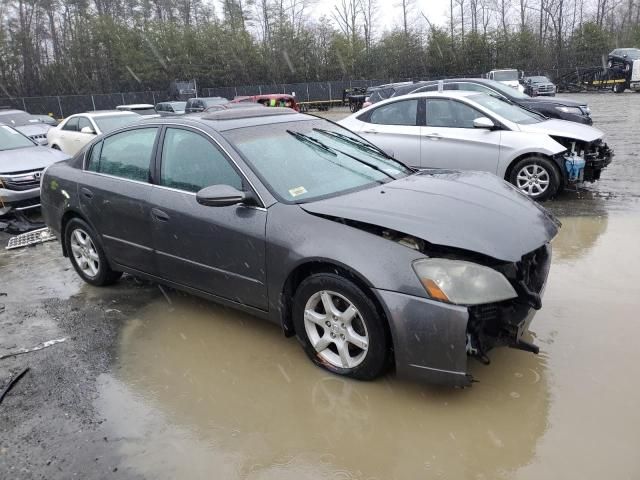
(504, 323)
(583, 161)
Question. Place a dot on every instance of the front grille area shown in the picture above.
(21, 181)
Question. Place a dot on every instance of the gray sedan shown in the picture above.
(21, 164)
(299, 221)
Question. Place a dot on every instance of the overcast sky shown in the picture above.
(390, 14)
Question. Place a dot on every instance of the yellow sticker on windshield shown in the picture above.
(294, 192)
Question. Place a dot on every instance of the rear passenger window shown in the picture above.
(191, 162)
(128, 154)
(93, 160)
(404, 112)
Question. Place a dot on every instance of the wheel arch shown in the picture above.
(69, 215)
(552, 158)
(314, 266)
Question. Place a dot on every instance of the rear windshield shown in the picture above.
(508, 111)
(18, 119)
(11, 139)
(108, 123)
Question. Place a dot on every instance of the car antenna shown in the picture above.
(440, 86)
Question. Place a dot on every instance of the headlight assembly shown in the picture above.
(461, 282)
(573, 110)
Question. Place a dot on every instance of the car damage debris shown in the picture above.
(30, 238)
(12, 382)
(34, 349)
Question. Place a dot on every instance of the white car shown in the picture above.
(507, 76)
(475, 131)
(77, 130)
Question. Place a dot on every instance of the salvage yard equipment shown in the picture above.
(617, 79)
(30, 238)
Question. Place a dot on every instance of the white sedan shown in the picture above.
(475, 131)
(77, 130)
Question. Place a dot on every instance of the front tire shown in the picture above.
(86, 254)
(340, 327)
(55, 147)
(535, 176)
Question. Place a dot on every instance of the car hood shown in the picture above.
(473, 211)
(30, 158)
(563, 128)
(563, 102)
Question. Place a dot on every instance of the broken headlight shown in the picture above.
(463, 283)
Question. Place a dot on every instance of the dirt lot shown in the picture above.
(148, 386)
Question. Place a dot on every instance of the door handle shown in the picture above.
(86, 193)
(433, 135)
(159, 215)
(369, 130)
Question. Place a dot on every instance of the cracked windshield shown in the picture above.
(307, 239)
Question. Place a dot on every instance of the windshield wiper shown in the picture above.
(312, 141)
(355, 142)
(317, 143)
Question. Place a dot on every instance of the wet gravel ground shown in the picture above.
(148, 386)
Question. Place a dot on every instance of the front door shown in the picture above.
(449, 139)
(217, 250)
(115, 194)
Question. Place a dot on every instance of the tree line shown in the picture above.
(59, 47)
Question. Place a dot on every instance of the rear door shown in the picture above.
(449, 139)
(217, 250)
(394, 127)
(115, 195)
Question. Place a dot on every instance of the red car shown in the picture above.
(270, 100)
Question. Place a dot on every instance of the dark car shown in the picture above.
(555, 107)
(299, 221)
(389, 90)
(170, 109)
(200, 104)
(21, 164)
(539, 86)
(623, 58)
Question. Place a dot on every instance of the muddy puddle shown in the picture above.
(200, 389)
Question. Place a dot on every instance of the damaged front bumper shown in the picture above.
(434, 340)
(586, 165)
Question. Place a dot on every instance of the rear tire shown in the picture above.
(535, 176)
(340, 327)
(86, 254)
(618, 88)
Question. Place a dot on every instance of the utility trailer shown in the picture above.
(615, 78)
(320, 105)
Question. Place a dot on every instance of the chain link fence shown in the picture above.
(65, 105)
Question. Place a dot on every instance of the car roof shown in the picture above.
(104, 113)
(12, 110)
(231, 119)
(134, 106)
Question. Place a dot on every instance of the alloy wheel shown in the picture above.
(533, 180)
(336, 329)
(84, 253)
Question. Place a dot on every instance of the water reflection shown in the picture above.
(578, 236)
(244, 400)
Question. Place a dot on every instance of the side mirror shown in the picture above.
(220, 196)
(88, 130)
(483, 122)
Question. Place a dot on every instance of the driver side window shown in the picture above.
(191, 162)
(71, 125)
(450, 113)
